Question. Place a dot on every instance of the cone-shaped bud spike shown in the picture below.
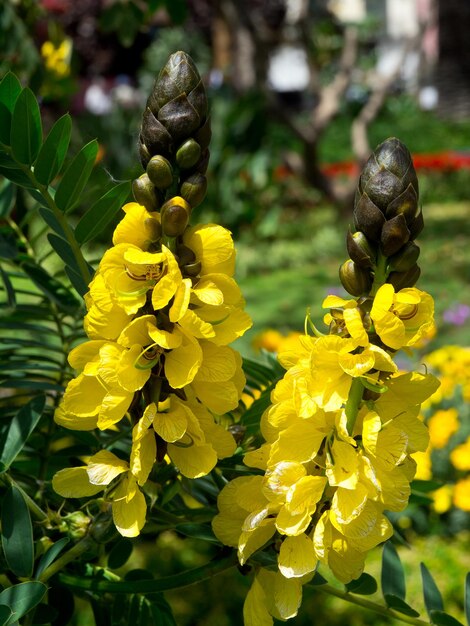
(360, 249)
(145, 193)
(406, 204)
(389, 181)
(416, 225)
(400, 280)
(176, 110)
(356, 280)
(194, 188)
(175, 216)
(160, 172)
(185, 255)
(368, 218)
(394, 235)
(188, 154)
(153, 228)
(405, 258)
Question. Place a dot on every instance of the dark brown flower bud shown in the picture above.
(188, 154)
(416, 226)
(405, 204)
(405, 258)
(356, 280)
(194, 188)
(368, 218)
(176, 110)
(159, 171)
(153, 228)
(400, 280)
(145, 193)
(175, 216)
(360, 249)
(192, 269)
(394, 235)
(185, 255)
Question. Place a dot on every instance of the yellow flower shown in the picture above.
(105, 471)
(351, 318)
(442, 425)
(271, 596)
(442, 499)
(462, 494)
(105, 318)
(137, 227)
(460, 456)
(423, 465)
(402, 318)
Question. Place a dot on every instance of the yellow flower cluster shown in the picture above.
(338, 439)
(57, 58)
(452, 365)
(159, 322)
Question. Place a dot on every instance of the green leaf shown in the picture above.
(5, 614)
(365, 585)
(26, 128)
(10, 89)
(51, 287)
(397, 604)
(51, 220)
(432, 595)
(161, 610)
(440, 618)
(76, 177)
(22, 598)
(9, 290)
(16, 176)
(54, 150)
(120, 553)
(101, 213)
(64, 250)
(197, 531)
(51, 555)
(7, 197)
(17, 533)
(20, 429)
(393, 577)
(77, 281)
(467, 598)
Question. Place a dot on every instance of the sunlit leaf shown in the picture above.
(440, 618)
(198, 531)
(364, 585)
(22, 598)
(26, 128)
(16, 176)
(431, 593)
(76, 177)
(397, 604)
(20, 429)
(393, 576)
(51, 220)
(9, 291)
(17, 533)
(52, 154)
(101, 213)
(7, 197)
(64, 250)
(77, 281)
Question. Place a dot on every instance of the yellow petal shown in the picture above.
(255, 611)
(207, 291)
(114, 407)
(172, 424)
(129, 513)
(213, 247)
(347, 504)
(297, 556)
(181, 300)
(68, 420)
(143, 454)
(252, 540)
(104, 466)
(83, 396)
(218, 363)
(194, 325)
(183, 363)
(84, 353)
(74, 483)
(194, 461)
(217, 397)
(137, 331)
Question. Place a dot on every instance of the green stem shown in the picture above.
(177, 581)
(380, 273)
(71, 555)
(59, 215)
(372, 606)
(352, 405)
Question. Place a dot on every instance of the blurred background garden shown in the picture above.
(300, 92)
